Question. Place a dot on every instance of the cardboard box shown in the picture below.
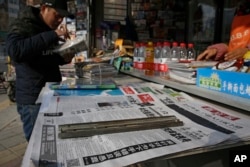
(234, 83)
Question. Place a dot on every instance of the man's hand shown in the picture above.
(235, 54)
(62, 31)
(207, 54)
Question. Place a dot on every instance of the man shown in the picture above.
(29, 43)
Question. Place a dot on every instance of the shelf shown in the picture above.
(218, 97)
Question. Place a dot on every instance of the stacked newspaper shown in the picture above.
(186, 72)
(99, 70)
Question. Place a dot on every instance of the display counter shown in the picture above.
(217, 97)
(208, 128)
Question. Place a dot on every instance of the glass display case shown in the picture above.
(159, 19)
(202, 22)
(209, 22)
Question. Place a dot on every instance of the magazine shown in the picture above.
(82, 83)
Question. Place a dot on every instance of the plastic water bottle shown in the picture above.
(165, 58)
(141, 58)
(183, 52)
(191, 53)
(135, 57)
(166, 51)
(149, 59)
(175, 52)
(157, 58)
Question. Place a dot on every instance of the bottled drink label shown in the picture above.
(162, 67)
(157, 61)
(157, 56)
(141, 63)
(165, 57)
(135, 62)
(141, 57)
(136, 56)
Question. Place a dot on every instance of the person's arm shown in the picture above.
(20, 47)
(66, 59)
(215, 52)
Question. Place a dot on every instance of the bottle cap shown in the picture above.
(166, 43)
(158, 44)
(137, 44)
(175, 44)
(190, 45)
(182, 45)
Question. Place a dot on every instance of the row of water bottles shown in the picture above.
(153, 58)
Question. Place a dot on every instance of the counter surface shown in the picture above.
(217, 97)
(207, 141)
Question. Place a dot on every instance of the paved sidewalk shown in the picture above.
(12, 141)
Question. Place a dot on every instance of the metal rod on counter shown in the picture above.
(116, 126)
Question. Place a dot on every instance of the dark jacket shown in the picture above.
(29, 43)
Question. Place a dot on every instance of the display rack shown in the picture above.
(79, 26)
(239, 103)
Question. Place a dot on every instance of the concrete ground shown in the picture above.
(12, 142)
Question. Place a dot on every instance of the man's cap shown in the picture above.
(60, 6)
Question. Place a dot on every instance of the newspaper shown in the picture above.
(203, 113)
(121, 149)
